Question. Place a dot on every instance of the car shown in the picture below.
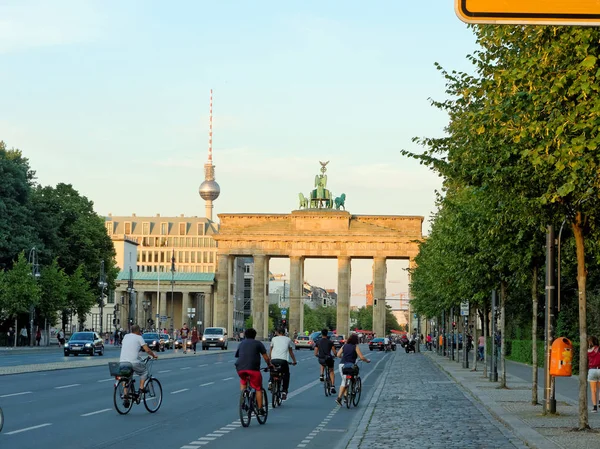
(338, 341)
(214, 337)
(179, 343)
(84, 343)
(166, 340)
(304, 342)
(376, 343)
(316, 336)
(153, 341)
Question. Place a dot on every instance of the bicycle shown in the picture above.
(327, 380)
(353, 384)
(1, 419)
(276, 386)
(249, 405)
(125, 393)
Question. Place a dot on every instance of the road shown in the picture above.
(72, 408)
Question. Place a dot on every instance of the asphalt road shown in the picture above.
(33, 356)
(73, 408)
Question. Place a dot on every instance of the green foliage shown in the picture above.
(365, 318)
(80, 297)
(319, 318)
(54, 285)
(20, 290)
(390, 320)
(248, 322)
(521, 351)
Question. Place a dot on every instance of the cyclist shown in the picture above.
(281, 351)
(248, 364)
(326, 353)
(130, 349)
(348, 353)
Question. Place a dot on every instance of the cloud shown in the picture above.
(28, 24)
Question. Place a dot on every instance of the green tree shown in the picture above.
(365, 318)
(80, 297)
(16, 230)
(20, 290)
(54, 285)
(390, 320)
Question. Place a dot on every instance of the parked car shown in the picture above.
(179, 343)
(214, 337)
(304, 342)
(167, 341)
(84, 343)
(376, 343)
(153, 341)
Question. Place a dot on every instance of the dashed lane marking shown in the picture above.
(204, 364)
(180, 391)
(15, 394)
(106, 380)
(66, 386)
(206, 384)
(228, 378)
(96, 412)
(165, 371)
(187, 367)
(28, 429)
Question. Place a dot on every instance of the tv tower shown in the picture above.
(209, 190)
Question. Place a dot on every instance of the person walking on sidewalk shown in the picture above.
(184, 332)
(480, 347)
(593, 369)
(195, 338)
(38, 336)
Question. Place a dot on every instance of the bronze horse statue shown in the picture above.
(340, 201)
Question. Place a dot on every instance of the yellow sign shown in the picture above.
(534, 12)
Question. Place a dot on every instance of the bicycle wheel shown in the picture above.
(153, 398)
(357, 390)
(276, 392)
(327, 381)
(245, 408)
(350, 392)
(123, 402)
(1, 419)
(262, 418)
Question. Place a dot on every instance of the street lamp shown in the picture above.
(131, 291)
(172, 290)
(35, 272)
(102, 284)
(146, 304)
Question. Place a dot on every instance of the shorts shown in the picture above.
(255, 378)
(593, 375)
(326, 362)
(140, 369)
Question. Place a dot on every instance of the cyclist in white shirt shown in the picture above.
(130, 353)
(282, 349)
(386, 343)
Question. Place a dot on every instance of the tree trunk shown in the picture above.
(16, 333)
(534, 354)
(502, 336)
(485, 335)
(475, 339)
(581, 281)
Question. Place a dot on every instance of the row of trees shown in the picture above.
(520, 153)
(68, 236)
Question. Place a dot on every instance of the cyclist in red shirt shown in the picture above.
(248, 364)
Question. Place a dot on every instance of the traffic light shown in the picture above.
(453, 324)
(283, 323)
(324, 302)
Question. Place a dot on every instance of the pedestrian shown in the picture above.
(11, 337)
(480, 346)
(429, 342)
(184, 332)
(23, 336)
(593, 376)
(60, 336)
(195, 338)
(38, 336)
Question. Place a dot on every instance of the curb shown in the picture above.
(23, 369)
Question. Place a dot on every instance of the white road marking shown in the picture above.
(206, 439)
(186, 367)
(96, 412)
(66, 386)
(228, 378)
(214, 435)
(218, 363)
(106, 380)
(209, 383)
(179, 391)
(15, 394)
(164, 371)
(28, 428)
(204, 364)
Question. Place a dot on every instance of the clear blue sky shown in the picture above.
(112, 97)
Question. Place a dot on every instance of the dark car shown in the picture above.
(338, 341)
(179, 343)
(84, 343)
(153, 341)
(376, 343)
(316, 336)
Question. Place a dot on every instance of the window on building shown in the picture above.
(181, 241)
(127, 227)
(247, 268)
(109, 227)
(200, 228)
(164, 228)
(188, 242)
(180, 256)
(145, 228)
(211, 257)
(187, 257)
(162, 256)
(193, 257)
(182, 228)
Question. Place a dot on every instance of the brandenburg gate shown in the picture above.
(319, 229)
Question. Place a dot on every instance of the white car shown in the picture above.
(214, 337)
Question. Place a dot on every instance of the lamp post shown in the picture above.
(35, 272)
(172, 291)
(131, 291)
(200, 308)
(102, 284)
(146, 305)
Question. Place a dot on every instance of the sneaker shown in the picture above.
(283, 396)
(126, 403)
(261, 412)
(270, 386)
(338, 401)
(321, 378)
(595, 409)
(332, 390)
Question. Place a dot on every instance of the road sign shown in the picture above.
(464, 308)
(157, 315)
(534, 12)
(283, 312)
(163, 317)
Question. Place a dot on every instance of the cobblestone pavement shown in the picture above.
(417, 405)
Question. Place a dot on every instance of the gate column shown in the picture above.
(259, 297)
(379, 293)
(295, 319)
(222, 275)
(343, 300)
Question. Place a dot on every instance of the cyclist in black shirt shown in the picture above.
(325, 351)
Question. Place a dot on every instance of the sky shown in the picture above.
(112, 97)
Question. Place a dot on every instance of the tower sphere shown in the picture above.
(209, 190)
